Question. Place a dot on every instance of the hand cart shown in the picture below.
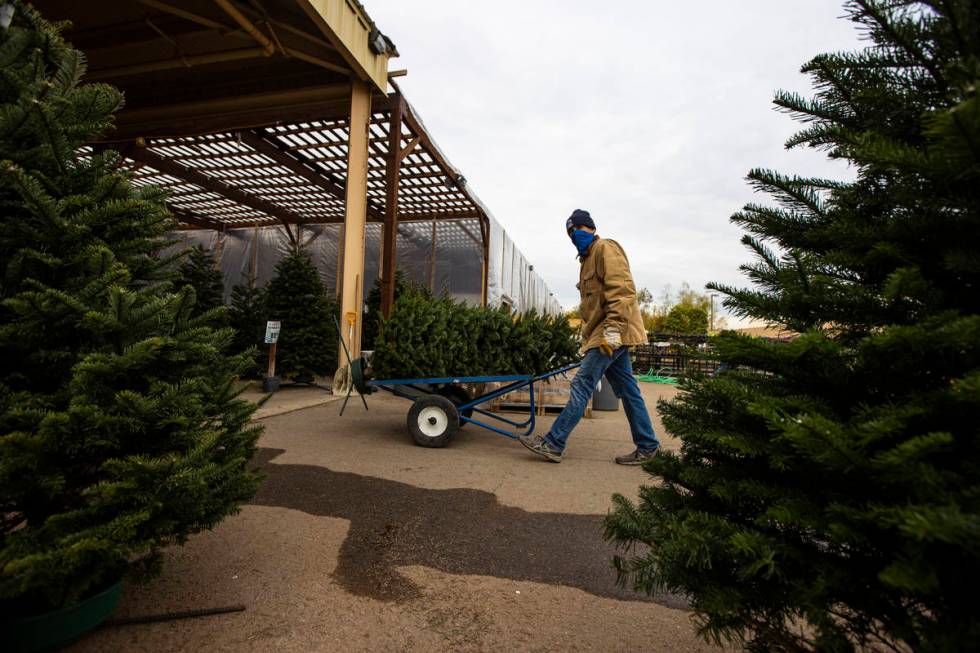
(440, 406)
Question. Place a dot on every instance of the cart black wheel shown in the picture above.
(433, 421)
(458, 396)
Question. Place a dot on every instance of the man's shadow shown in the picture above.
(459, 531)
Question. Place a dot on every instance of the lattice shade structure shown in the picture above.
(272, 125)
(229, 162)
(301, 169)
(295, 174)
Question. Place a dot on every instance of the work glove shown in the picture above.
(611, 341)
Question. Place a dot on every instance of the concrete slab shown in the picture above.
(287, 399)
(376, 443)
(360, 540)
(279, 563)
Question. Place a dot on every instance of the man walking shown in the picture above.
(611, 323)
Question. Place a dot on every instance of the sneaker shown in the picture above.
(540, 446)
(637, 457)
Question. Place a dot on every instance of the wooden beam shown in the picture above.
(389, 243)
(466, 214)
(268, 47)
(173, 169)
(416, 126)
(229, 226)
(323, 102)
(485, 233)
(412, 144)
(186, 15)
(260, 143)
(351, 298)
(411, 219)
(237, 12)
(315, 60)
(188, 61)
(199, 221)
(345, 25)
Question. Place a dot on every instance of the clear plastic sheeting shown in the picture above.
(511, 279)
(445, 256)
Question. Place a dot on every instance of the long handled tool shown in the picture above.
(350, 366)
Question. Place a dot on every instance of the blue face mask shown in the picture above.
(582, 239)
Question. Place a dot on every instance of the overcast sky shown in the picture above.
(647, 114)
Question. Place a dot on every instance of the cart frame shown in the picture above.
(414, 388)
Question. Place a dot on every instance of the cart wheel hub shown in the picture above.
(433, 421)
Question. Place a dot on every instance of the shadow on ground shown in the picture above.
(458, 531)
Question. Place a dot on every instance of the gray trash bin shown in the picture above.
(604, 398)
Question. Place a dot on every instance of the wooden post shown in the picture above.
(271, 382)
(219, 247)
(271, 372)
(356, 214)
(389, 233)
(338, 285)
(253, 264)
(432, 261)
(485, 233)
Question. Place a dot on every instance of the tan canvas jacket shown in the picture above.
(608, 296)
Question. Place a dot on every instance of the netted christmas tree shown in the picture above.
(827, 492)
(307, 344)
(372, 307)
(199, 272)
(436, 337)
(246, 315)
(120, 430)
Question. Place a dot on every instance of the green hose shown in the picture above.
(656, 377)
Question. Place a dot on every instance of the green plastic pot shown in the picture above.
(46, 631)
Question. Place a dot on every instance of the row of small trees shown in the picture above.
(307, 345)
(121, 431)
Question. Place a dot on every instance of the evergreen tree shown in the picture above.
(372, 307)
(827, 493)
(308, 338)
(436, 337)
(246, 315)
(199, 272)
(120, 431)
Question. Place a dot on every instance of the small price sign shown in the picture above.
(272, 331)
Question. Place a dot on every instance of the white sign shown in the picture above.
(272, 331)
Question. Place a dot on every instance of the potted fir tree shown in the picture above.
(120, 430)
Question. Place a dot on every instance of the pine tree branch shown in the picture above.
(886, 25)
(806, 110)
(948, 9)
(791, 190)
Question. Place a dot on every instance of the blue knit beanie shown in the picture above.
(579, 218)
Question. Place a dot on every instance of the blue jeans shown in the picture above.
(619, 372)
